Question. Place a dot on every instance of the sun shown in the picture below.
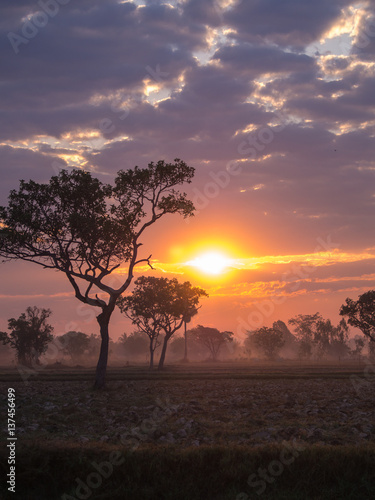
(211, 263)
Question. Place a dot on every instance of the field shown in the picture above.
(194, 432)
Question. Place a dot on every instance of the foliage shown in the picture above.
(361, 313)
(75, 344)
(87, 229)
(136, 344)
(269, 340)
(29, 335)
(211, 338)
(318, 335)
(160, 305)
(359, 346)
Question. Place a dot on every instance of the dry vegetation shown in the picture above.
(195, 412)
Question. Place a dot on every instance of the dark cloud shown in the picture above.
(23, 163)
(288, 23)
(258, 59)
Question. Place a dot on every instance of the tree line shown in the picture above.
(158, 307)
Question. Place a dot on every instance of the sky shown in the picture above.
(272, 102)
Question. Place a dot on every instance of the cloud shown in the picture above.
(289, 23)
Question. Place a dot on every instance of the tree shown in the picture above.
(188, 315)
(359, 345)
(135, 344)
(29, 335)
(371, 351)
(75, 344)
(319, 335)
(87, 229)
(339, 342)
(268, 340)
(211, 338)
(305, 326)
(361, 313)
(160, 305)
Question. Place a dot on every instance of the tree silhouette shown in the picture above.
(75, 344)
(268, 340)
(160, 305)
(319, 334)
(29, 335)
(211, 338)
(361, 313)
(87, 229)
(305, 326)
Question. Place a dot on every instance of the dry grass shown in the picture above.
(197, 434)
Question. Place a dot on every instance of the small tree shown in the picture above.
(361, 313)
(29, 335)
(160, 305)
(211, 338)
(75, 344)
(268, 340)
(86, 230)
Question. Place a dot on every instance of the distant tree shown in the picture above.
(29, 335)
(305, 328)
(160, 306)
(189, 313)
(177, 347)
(269, 341)
(359, 344)
(290, 342)
(320, 336)
(6, 353)
(86, 229)
(361, 313)
(211, 338)
(134, 345)
(339, 342)
(248, 345)
(94, 345)
(74, 344)
(371, 351)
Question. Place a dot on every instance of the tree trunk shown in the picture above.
(186, 350)
(101, 368)
(151, 356)
(164, 350)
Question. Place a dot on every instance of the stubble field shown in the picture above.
(195, 432)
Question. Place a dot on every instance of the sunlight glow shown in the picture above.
(211, 263)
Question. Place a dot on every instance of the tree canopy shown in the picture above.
(268, 340)
(75, 344)
(319, 335)
(361, 313)
(211, 338)
(29, 335)
(160, 305)
(87, 229)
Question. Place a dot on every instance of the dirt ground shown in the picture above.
(186, 412)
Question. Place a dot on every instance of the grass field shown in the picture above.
(194, 432)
